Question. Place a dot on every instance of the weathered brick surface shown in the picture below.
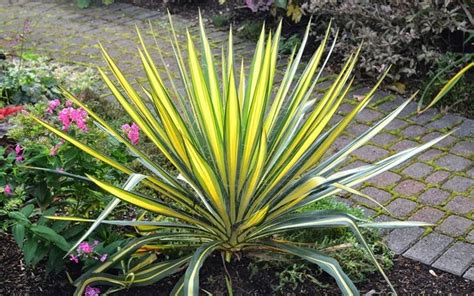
(385, 179)
(454, 225)
(456, 259)
(465, 148)
(400, 207)
(461, 205)
(437, 177)
(430, 154)
(429, 248)
(66, 33)
(469, 274)
(458, 184)
(379, 195)
(409, 187)
(447, 121)
(427, 214)
(400, 240)
(434, 196)
(403, 145)
(414, 131)
(383, 139)
(453, 162)
(370, 153)
(418, 170)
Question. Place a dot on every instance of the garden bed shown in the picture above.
(409, 278)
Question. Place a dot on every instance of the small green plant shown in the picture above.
(220, 20)
(250, 29)
(32, 80)
(455, 90)
(248, 158)
(41, 239)
(288, 44)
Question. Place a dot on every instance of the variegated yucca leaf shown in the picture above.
(249, 152)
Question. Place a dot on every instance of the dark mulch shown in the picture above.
(409, 278)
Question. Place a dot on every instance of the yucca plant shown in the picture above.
(249, 155)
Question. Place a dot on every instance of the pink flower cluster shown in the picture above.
(8, 190)
(52, 105)
(132, 132)
(69, 115)
(19, 153)
(90, 291)
(87, 250)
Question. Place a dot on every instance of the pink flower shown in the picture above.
(133, 132)
(103, 258)
(90, 291)
(69, 103)
(65, 118)
(19, 153)
(69, 115)
(54, 150)
(8, 190)
(85, 248)
(52, 105)
(73, 258)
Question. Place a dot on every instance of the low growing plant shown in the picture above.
(248, 155)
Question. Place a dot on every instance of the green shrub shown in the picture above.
(248, 158)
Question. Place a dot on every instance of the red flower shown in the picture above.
(7, 111)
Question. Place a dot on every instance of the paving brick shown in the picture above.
(379, 195)
(437, 177)
(429, 248)
(403, 145)
(453, 162)
(401, 239)
(409, 187)
(409, 110)
(428, 215)
(383, 139)
(385, 179)
(454, 226)
(396, 124)
(401, 207)
(367, 212)
(391, 104)
(425, 117)
(447, 121)
(458, 184)
(466, 129)
(456, 259)
(418, 170)
(413, 131)
(470, 236)
(368, 115)
(461, 205)
(464, 148)
(345, 108)
(356, 129)
(430, 154)
(469, 274)
(433, 196)
(370, 153)
(448, 141)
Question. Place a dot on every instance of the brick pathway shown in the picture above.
(437, 186)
